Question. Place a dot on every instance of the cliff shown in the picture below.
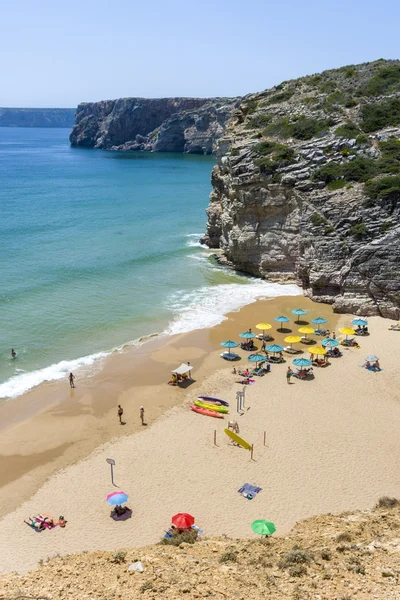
(307, 187)
(352, 555)
(190, 125)
(37, 117)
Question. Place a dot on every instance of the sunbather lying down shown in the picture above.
(395, 327)
(44, 521)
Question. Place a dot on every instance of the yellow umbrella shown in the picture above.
(292, 339)
(263, 326)
(347, 331)
(317, 350)
(306, 330)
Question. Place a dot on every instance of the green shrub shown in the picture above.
(188, 537)
(337, 97)
(362, 139)
(310, 100)
(146, 586)
(385, 227)
(274, 155)
(360, 169)
(228, 556)
(297, 570)
(390, 158)
(326, 554)
(359, 231)
(305, 128)
(383, 187)
(280, 127)
(328, 172)
(118, 558)
(296, 556)
(265, 148)
(380, 114)
(327, 87)
(336, 184)
(249, 106)
(348, 130)
(281, 96)
(235, 152)
(350, 72)
(315, 80)
(350, 102)
(343, 537)
(258, 121)
(317, 220)
(386, 80)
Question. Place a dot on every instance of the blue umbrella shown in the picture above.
(117, 498)
(282, 319)
(372, 358)
(229, 344)
(274, 348)
(256, 357)
(299, 312)
(319, 321)
(247, 335)
(331, 342)
(360, 322)
(302, 362)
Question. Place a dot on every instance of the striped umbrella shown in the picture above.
(117, 498)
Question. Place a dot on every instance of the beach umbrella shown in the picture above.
(331, 342)
(183, 520)
(263, 527)
(360, 322)
(299, 312)
(347, 331)
(292, 339)
(319, 321)
(318, 350)
(256, 357)
(274, 348)
(263, 327)
(247, 335)
(229, 344)
(117, 498)
(306, 330)
(302, 362)
(372, 358)
(281, 319)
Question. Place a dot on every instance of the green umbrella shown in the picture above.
(263, 527)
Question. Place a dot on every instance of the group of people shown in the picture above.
(372, 365)
(121, 412)
(42, 522)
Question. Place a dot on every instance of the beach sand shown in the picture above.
(332, 444)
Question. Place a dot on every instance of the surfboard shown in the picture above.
(207, 413)
(215, 407)
(237, 439)
(211, 399)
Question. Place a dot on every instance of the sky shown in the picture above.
(59, 53)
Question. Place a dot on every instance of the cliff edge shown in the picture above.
(189, 125)
(307, 187)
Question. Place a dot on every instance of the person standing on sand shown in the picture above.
(142, 414)
(120, 413)
(288, 374)
(71, 380)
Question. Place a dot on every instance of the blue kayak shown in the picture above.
(214, 400)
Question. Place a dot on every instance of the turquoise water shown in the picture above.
(98, 249)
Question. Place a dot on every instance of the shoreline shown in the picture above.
(331, 444)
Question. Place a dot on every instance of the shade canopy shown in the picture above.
(299, 311)
(372, 358)
(182, 369)
(292, 339)
(263, 326)
(183, 520)
(302, 362)
(347, 331)
(360, 322)
(306, 330)
(229, 344)
(330, 342)
(247, 335)
(117, 498)
(263, 527)
(274, 348)
(319, 320)
(256, 357)
(317, 350)
(282, 319)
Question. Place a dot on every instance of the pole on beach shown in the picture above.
(238, 401)
(252, 448)
(265, 437)
(215, 437)
(111, 462)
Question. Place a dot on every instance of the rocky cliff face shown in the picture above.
(37, 117)
(307, 187)
(190, 125)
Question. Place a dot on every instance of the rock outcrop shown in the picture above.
(330, 557)
(37, 117)
(190, 125)
(307, 187)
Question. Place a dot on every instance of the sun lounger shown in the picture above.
(249, 491)
(229, 355)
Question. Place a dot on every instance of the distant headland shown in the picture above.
(37, 117)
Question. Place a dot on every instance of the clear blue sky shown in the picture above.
(57, 53)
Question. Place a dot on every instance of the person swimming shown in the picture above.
(13, 353)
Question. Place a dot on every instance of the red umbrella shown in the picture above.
(183, 520)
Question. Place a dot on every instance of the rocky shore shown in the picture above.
(188, 125)
(307, 186)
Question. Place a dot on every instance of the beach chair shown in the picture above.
(229, 356)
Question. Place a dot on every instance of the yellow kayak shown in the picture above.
(215, 407)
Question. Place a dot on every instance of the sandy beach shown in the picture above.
(332, 443)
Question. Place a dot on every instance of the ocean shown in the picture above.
(99, 249)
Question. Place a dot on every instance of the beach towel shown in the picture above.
(42, 519)
(249, 491)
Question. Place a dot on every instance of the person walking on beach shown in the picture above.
(120, 413)
(288, 374)
(71, 380)
(142, 414)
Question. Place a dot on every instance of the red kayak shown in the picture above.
(206, 412)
